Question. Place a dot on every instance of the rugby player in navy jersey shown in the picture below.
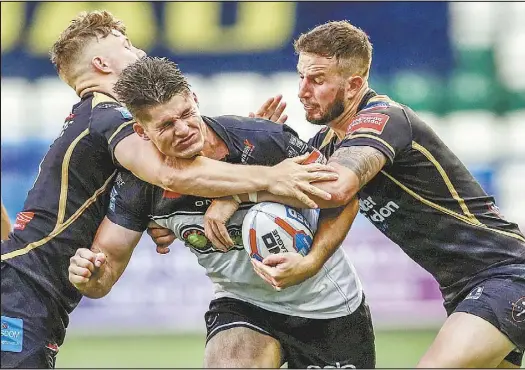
(418, 194)
(320, 323)
(70, 196)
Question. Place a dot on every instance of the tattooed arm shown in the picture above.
(364, 162)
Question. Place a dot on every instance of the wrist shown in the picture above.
(265, 176)
(311, 264)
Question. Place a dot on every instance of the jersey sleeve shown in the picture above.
(387, 130)
(113, 122)
(130, 202)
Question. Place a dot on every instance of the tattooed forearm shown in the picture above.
(364, 161)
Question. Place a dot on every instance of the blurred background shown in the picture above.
(460, 65)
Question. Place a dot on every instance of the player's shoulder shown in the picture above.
(128, 177)
(107, 114)
(376, 113)
(382, 104)
(255, 128)
(250, 124)
(127, 181)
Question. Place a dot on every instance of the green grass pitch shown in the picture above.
(395, 349)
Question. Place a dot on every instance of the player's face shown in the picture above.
(321, 88)
(118, 52)
(176, 128)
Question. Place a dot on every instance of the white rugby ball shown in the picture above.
(270, 228)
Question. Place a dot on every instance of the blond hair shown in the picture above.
(85, 27)
(341, 40)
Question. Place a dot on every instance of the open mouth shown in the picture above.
(308, 107)
(186, 141)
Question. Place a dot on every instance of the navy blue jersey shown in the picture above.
(425, 200)
(249, 140)
(69, 198)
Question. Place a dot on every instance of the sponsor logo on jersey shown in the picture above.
(475, 293)
(119, 181)
(12, 334)
(296, 147)
(67, 122)
(518, 310)
(113, 199)
(368, 122)
(22, 219)
(124, 113)
(315, 157)
(247, 151)
(368, 207)
(53, 347)
(195, 238)
(211, 320)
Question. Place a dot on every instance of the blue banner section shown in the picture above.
(210, 37)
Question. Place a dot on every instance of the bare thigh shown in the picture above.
(242, 347)
(467, 340)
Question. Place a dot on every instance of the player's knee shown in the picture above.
(242, 348)
(229, 357)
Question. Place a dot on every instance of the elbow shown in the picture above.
(341, 198)
(344, 190)
(95, 294)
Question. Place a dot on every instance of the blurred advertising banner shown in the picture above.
(206, 37)
(172, 292)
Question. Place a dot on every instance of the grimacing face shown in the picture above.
(321, 88)
(176, 127)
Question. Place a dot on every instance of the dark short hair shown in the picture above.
(341, 40)
(149, 82)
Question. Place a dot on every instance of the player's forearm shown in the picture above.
(331, 232)
(6, 224)
(205, 177)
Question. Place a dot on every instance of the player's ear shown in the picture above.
(139, 129)
(354, 85)
(100, 64)
(195, 98)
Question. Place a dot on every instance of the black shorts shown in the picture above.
(343, 342)
(27, 321)
(500, 300)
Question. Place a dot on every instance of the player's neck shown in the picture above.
(214, 146)
(84, 87)
(340, 124)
